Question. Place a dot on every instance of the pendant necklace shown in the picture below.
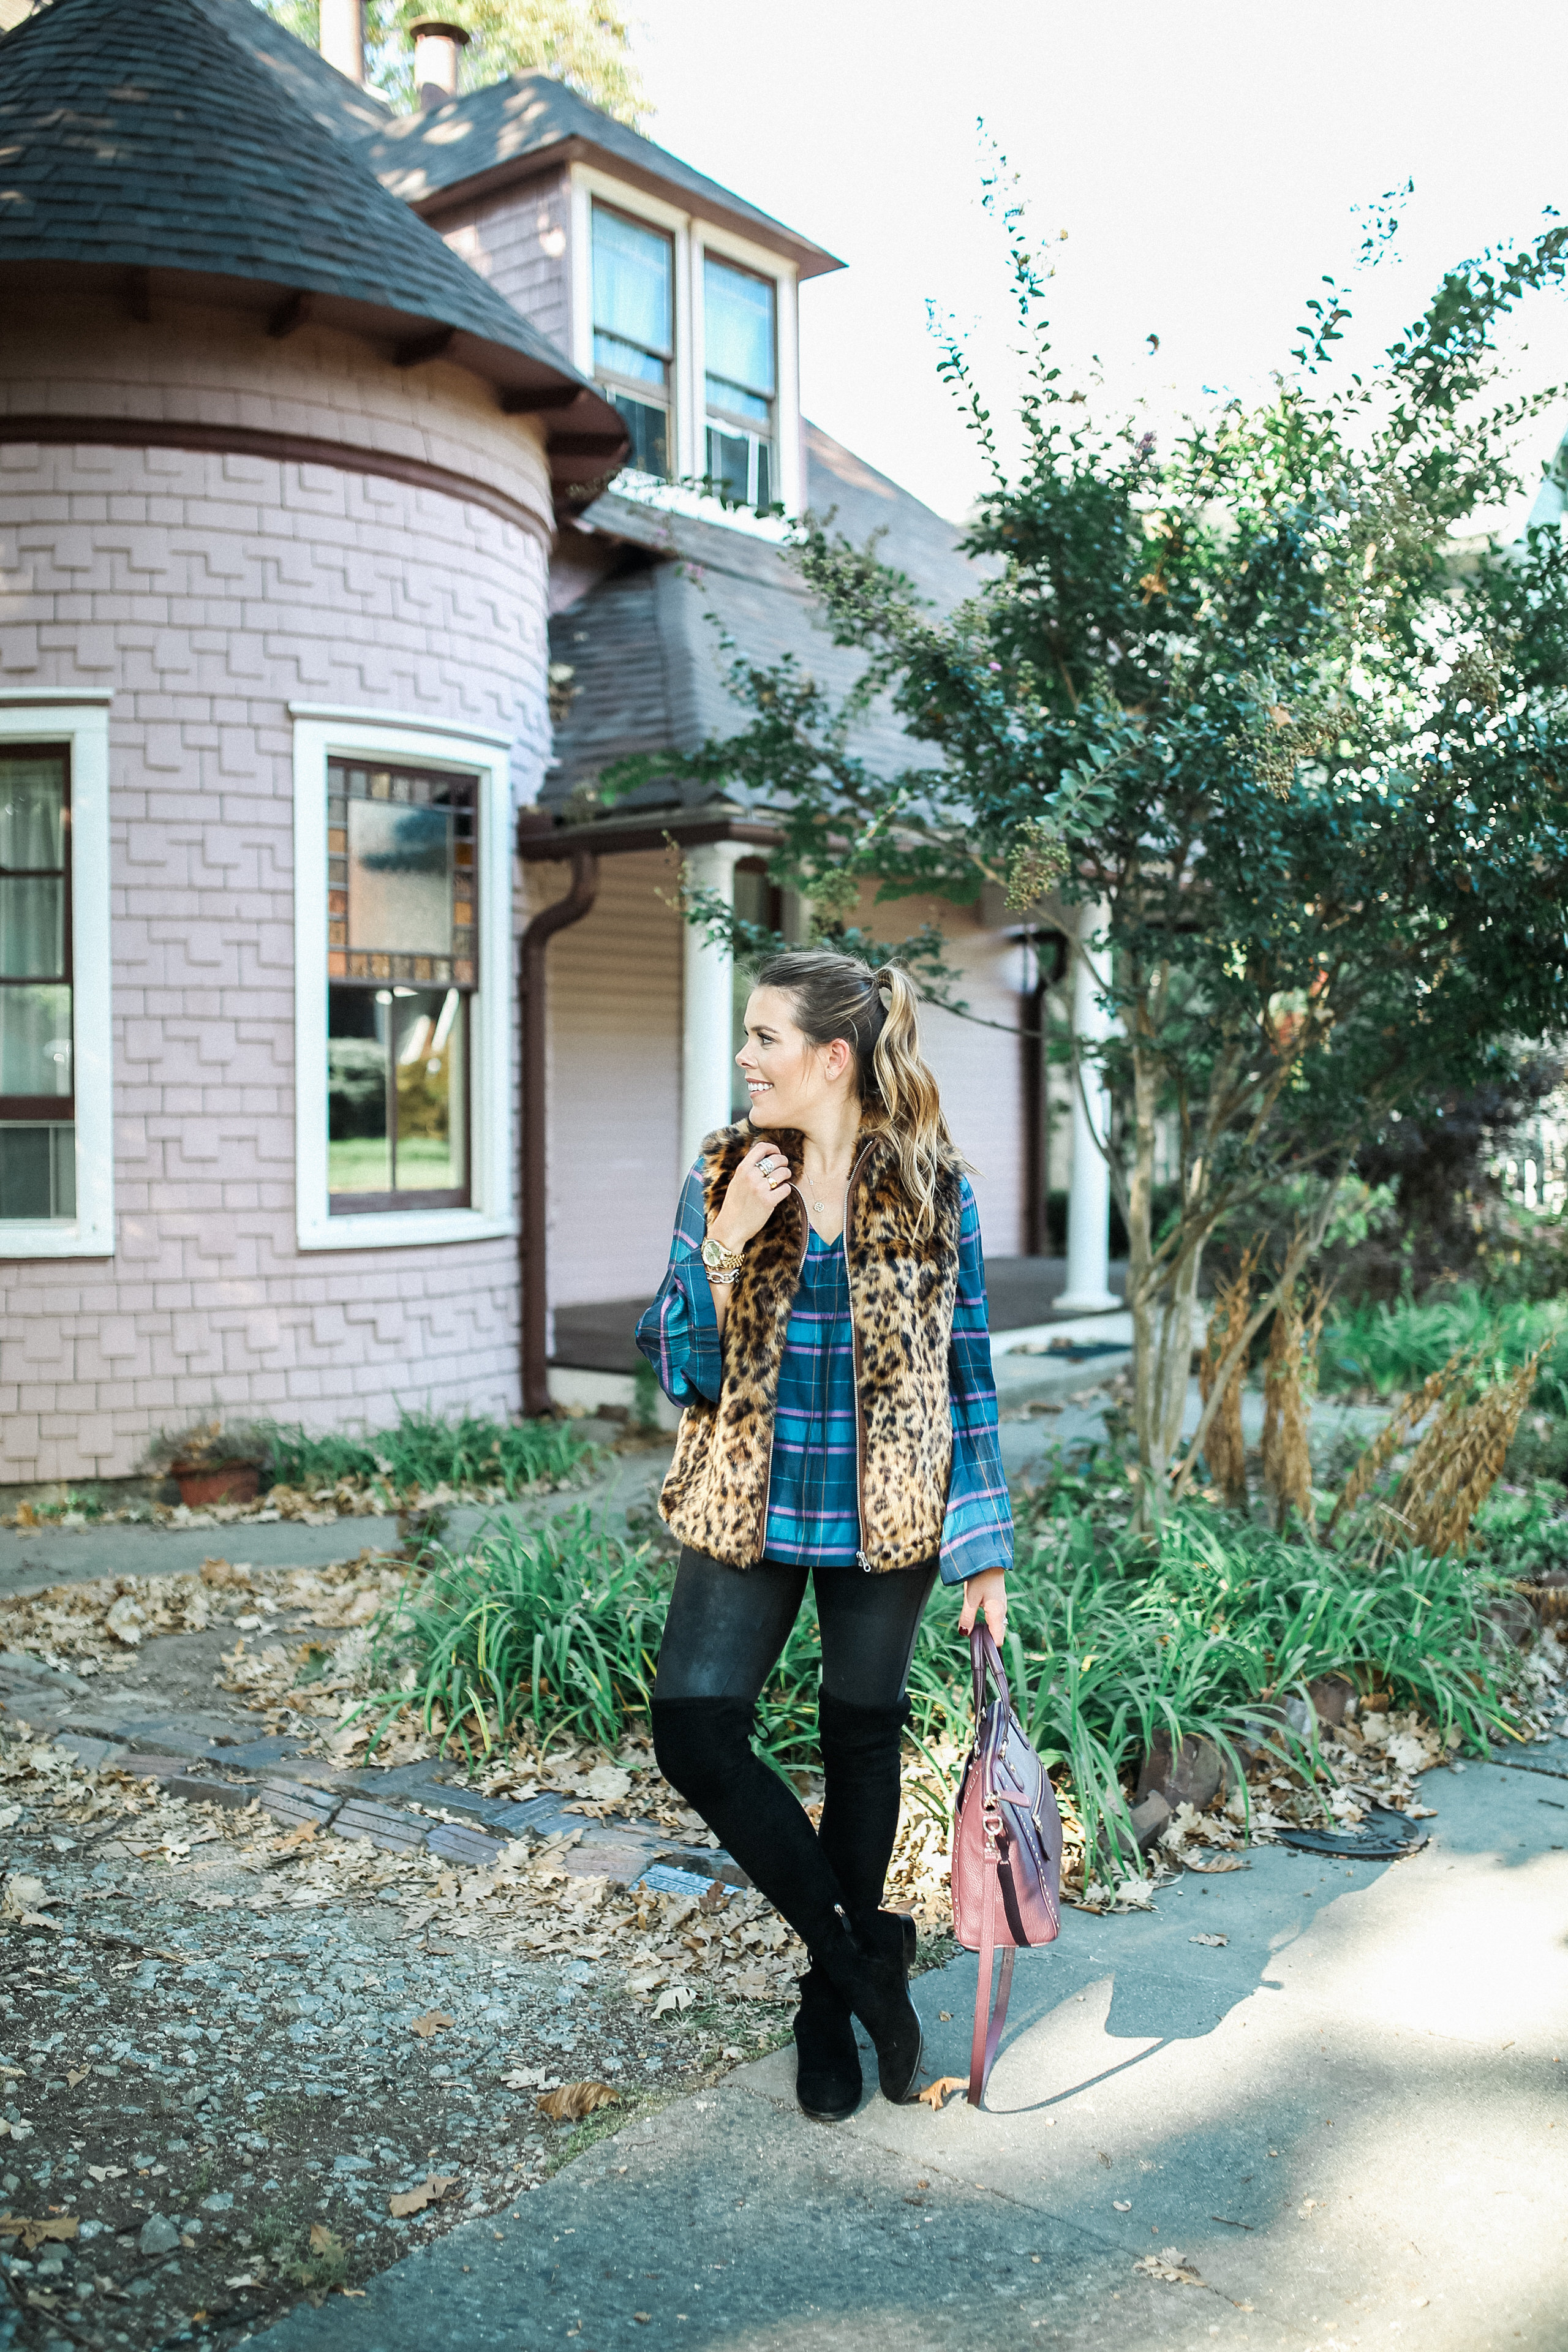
(819, 1208)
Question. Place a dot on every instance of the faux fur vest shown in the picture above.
(902, 1294)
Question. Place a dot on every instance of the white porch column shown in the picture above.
(707, 1051)
(1088, 1290)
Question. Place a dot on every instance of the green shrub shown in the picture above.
(426, 1451)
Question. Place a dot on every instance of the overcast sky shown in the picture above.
(1204, 160)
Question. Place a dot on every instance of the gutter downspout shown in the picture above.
(557, 917)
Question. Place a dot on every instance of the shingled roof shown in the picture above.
(153, 138)
(648, 665)
(512, 128)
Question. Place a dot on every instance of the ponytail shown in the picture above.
(877, 1015)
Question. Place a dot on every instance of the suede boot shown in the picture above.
(827, 2080)
(875, 1983)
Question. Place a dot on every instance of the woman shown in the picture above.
(823, 1323)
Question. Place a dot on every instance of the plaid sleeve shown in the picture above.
(679, 1333)
(979, 1528)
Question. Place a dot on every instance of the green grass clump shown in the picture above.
(1392, 1349)
(426, 1451)
(559, 1627)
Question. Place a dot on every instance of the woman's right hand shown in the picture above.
(755, 1189)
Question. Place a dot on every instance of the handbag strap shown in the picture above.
(987, 2039)
(986, 1660)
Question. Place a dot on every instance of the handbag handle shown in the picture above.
(986, 1659)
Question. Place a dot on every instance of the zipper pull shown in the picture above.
(864, 1563)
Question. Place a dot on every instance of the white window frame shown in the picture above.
(694, 237)
(590, 187)
(322, 733)
(79, 717)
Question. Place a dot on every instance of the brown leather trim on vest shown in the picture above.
(902, 1291)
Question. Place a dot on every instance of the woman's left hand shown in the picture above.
(987, 1591)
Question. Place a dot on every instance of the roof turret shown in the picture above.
(152, 141)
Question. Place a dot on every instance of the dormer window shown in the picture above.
(741, 347)
(633, 331)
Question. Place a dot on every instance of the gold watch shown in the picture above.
(721, 1260)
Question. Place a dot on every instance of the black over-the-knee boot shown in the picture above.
(860, 1755)
(704, 1750)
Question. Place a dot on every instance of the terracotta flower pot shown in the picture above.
(215, 1482)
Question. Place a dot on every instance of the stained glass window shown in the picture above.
(37, 1106)
(402, 965)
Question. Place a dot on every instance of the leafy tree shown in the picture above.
(583, 44)
(1299, 751)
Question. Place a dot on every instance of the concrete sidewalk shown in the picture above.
(1350, 2118)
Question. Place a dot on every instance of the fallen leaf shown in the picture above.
(573, 2100)
(107, 2171)
(35, 2233)
(524, 2078)
(1117, 2206)
(322, 2241)
(430, 2191)
(944, 2016)
(606, 1784)
(1220, 1861)
(1208, 1939)
(75, 2074)
(1170, 2266)
(300, 1836)
(677, 1997)
(126, 1621)
(435, 2021)
(935, 2093)
(642, 2317)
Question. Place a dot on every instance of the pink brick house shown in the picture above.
(304, 414)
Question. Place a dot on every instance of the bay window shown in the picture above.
(633, 332)
(741, 358)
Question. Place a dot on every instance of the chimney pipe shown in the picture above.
(343, 37)
(436, 46)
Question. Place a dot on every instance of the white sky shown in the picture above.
(1203, 159)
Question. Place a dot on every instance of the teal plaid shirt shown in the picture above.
(813, 1504)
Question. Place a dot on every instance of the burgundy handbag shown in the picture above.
(1006, 1854)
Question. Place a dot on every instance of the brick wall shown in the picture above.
(209, 591)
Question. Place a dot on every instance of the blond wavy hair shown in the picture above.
(877, 1013)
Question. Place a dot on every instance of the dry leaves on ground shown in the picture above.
(61, 2228)
(430, 2191)
(434, 2021)
(1168, 2263)
(573, 2100)
(935, 2093)
(1208, 1939)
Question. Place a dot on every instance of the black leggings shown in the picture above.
(723, 1636)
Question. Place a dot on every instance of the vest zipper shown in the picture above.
(861, 1557)
(773, 1417)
